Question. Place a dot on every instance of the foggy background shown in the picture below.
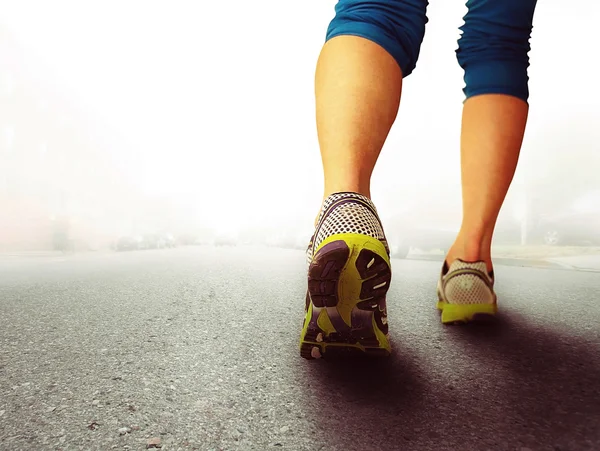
(195, 120)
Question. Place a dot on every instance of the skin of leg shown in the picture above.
(370, 46)
(357, 92)
(492, 132)
(494, 116)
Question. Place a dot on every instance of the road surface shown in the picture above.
(583, 262)
(197, 347)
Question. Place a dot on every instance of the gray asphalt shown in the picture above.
(198, 347)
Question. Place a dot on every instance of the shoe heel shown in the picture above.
(467, 313)
(348, 279)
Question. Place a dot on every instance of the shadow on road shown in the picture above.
(349, 397)
(370, 381)
(515, 385)
(551, 377)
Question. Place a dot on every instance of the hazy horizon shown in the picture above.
(212, 113)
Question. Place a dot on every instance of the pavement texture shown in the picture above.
(543, 251)
(582, 262)
(197, 348)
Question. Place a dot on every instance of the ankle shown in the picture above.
(471, 248)
(360, 188)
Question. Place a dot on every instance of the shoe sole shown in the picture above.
(466, 313)
(348, 279)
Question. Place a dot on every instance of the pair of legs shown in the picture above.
(371, 46)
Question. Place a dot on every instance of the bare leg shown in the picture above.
(493, 126)
(357, 88)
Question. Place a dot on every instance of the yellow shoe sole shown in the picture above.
(348, 279)
(466, 313)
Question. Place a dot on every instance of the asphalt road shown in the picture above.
(198, 347)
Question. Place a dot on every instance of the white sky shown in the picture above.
(219, 95)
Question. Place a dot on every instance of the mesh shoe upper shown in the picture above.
(346, 213)
(467, 283)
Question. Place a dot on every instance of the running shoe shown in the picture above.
(466, 292)
(349, 274)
